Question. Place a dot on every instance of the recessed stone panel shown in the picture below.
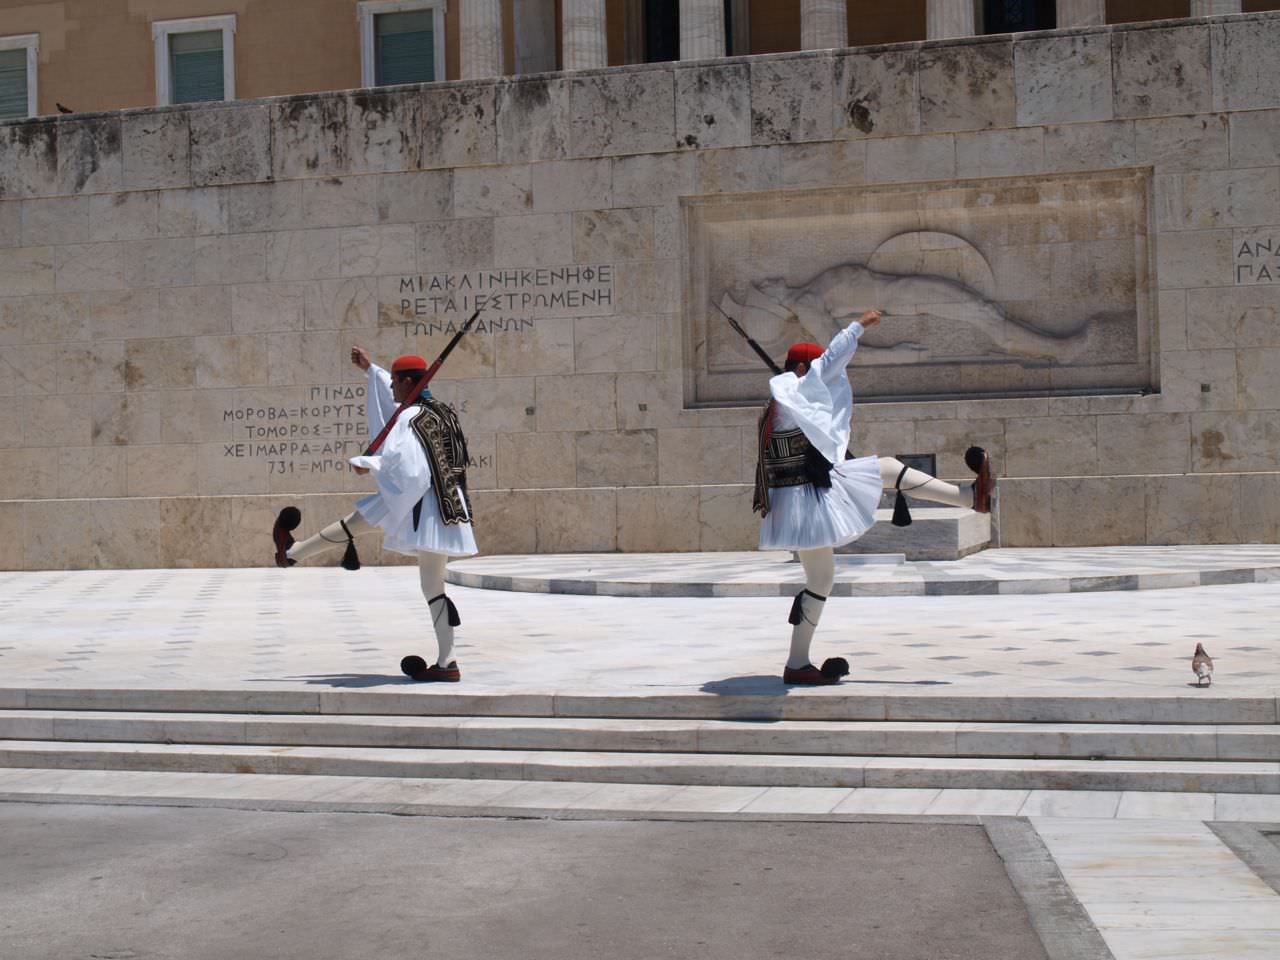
(1018, 286)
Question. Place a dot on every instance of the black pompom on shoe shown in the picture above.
(414, 667)
(835, 667)
(282, 534)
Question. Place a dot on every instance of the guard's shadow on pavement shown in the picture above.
(761, 685)
(348, 680)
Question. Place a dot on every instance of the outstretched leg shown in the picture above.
(820, 576)
(444, 617)
(337, 534)
(976, 496)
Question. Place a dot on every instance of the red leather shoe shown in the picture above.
(808, 676)
(282, 534)
(416, 668)
(979, 461)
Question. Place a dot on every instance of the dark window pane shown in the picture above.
(405, 47)
(195, 66)
(661, 30)
(1013, 16)
(13, 84)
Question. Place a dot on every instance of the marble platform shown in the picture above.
(771, 574)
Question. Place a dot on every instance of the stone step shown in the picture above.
(749, 770)
(406, 796)
(936, 533)
(790, 737)
(759, 699)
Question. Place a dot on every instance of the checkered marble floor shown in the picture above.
(328, 628)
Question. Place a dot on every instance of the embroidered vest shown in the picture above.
(785, 458)
(437, 429)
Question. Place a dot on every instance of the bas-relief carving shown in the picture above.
(1021, 286)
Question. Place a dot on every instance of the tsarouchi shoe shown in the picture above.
(282, 534)
(809, 676)
(979, 461)
(417, 669)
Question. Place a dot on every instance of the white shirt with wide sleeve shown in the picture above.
(403, 475)
(821, 404)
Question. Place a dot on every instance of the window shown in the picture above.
(18, 76)
(401, 41)
(195, 59)
(1015, 16)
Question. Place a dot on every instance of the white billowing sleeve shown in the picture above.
(401, 470)
(821, 402)
(379, 402)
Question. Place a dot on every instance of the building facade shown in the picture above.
(1076, 236)
(95, 55)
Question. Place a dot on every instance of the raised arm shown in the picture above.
(843, 346)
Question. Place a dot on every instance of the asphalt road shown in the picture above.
(141, 883)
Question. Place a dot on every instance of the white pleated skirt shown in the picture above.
(809, 517)
(432, 535)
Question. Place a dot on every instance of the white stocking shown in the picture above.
(431, 574)
(820, 575)
(331, 536)
(919, 484)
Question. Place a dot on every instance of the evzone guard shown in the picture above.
(419, 461)
(812, 499)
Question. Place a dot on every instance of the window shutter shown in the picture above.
(13, 84)
(195, 65)
(406, 47)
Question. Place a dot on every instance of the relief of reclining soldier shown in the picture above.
(778, 313)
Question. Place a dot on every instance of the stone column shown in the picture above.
(823, 24)
(701, 29)
(1215, 8)
(1082, 13)
(586, 46)
(951, 18)
(480, 29)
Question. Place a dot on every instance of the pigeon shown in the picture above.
(1202, 666)
(62, 109)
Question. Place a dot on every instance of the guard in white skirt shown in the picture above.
(421, 505)
(813, 499)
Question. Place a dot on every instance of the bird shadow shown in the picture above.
(346, 680)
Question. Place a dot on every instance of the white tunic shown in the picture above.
(403, 475)
(821, 404)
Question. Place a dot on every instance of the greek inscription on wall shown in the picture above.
(511, 300)
(1258, 257)
(315, 436)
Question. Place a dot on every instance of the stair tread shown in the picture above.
(596, 758)
(638, 724)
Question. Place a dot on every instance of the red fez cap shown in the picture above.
(408, 364)
(803, 353)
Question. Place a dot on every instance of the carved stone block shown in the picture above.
(458, 125)
(533, 120)
(713, 106)
(1018, 286)
(624, 112)
(1063, 79)
(231, 145)
(967, 86)
(1162, 71)
(156, 150)
(791, 99)
(877, 94)
(1246, 71)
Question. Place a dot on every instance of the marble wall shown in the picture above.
(179, 290)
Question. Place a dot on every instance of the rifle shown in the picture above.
(760, 351)
(421, 384)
